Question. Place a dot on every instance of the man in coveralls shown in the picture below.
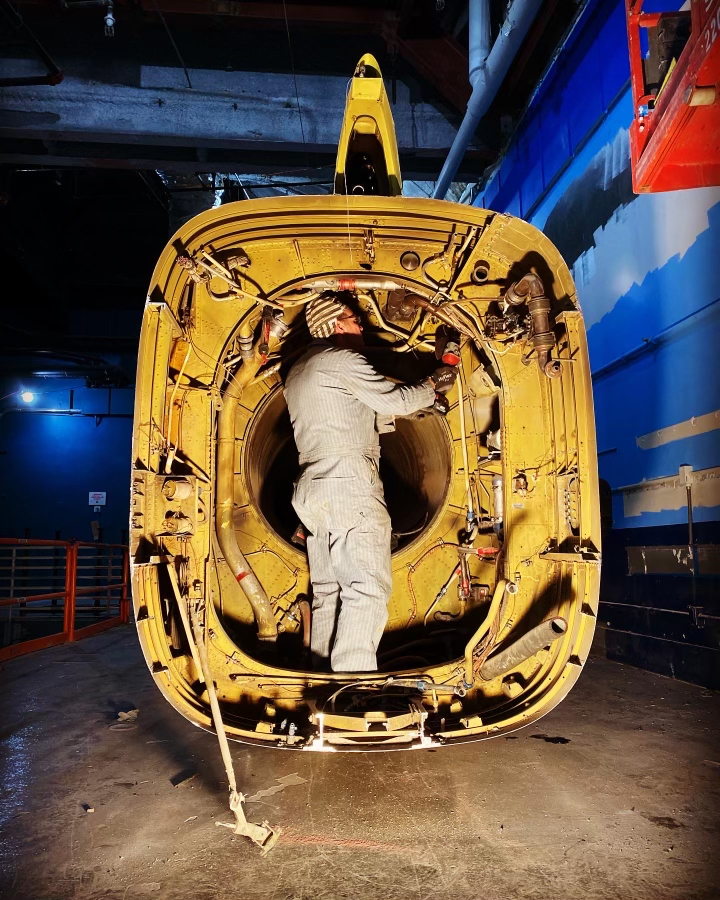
(337, 403)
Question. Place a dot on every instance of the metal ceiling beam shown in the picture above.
(442, 62)
(52, 76)
(439, 59)
(226, 110)
(301, 12)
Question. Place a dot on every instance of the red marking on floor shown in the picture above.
(290, 836)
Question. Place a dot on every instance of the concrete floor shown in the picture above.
(613, 795)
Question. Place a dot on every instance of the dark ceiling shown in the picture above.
(82, 223)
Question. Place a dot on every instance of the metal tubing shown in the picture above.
(200, 654)
(263, 835)
(224, 500)
(497, 500)
(350, 283)
(531, 291)
(70, 574)
(479, 36)
(435, 311)
(463, 447)
(32, 542)
(380, 283)
(55, 595)
(488, 80)
(69, 595)
(525, 647)
(500, 589)
(14, 601)
(71, 582)
(185, 619)
(303, 605)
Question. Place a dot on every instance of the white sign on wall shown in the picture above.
(97, 498)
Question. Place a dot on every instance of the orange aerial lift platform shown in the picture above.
(675, 76)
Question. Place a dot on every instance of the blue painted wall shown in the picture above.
(646, 267)
(648, 278)
(50, 463)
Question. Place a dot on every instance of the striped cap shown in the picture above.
(322, 314)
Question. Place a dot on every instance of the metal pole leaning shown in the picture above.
(69, 606)
(72, 587)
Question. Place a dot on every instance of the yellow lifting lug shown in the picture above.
(367, 160)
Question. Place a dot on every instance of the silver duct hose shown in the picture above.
(525, 647)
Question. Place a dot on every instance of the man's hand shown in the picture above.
(443, 379)
(441, 404)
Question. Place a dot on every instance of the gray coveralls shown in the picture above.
(335, 397)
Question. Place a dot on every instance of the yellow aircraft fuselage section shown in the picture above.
(211, 512)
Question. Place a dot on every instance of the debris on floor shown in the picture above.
(182, 779)
(281, 784)
(125, 721)
(364, 821)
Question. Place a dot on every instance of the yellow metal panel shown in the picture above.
(202, 328)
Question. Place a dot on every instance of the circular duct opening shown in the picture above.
(415, 469)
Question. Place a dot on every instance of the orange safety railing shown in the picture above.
(58, 591)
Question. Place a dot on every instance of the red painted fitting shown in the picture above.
(450, 359)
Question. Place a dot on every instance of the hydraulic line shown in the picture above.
(463, 447)
(173, 450)
(224, 500)
(493, 613)
(422, 297)
(398, 332)
(441, 593)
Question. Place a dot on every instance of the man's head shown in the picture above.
(328, 317)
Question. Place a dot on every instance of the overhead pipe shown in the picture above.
(488, 74)
(478, 37)
(372, 282)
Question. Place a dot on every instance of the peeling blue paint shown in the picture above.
(646, 268)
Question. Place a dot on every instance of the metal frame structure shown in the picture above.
(224, 311)
(74, 564)
(674, 134)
